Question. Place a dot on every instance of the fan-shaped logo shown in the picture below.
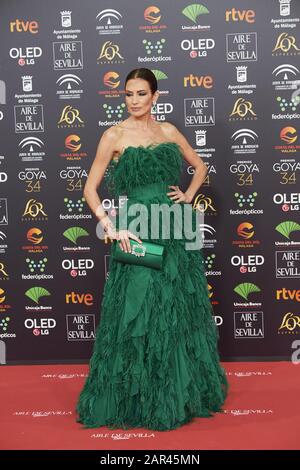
(35, 293)
(245, 289)
(193, 11)
(73, 233)
(159, 75)
(287, 227)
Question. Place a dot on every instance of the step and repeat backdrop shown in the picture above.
(229, 80)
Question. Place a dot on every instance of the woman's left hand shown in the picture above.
(179, 196)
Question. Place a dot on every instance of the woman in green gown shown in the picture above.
(155, 362)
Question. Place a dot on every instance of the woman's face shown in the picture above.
(138, 97)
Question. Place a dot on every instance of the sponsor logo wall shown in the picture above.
(229, 80)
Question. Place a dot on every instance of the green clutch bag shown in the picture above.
(144, 254)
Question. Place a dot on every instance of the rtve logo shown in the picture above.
(75, 298)
(198, 81)
(237, 15)
(21, 26)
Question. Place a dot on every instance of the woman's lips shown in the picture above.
(135, 109)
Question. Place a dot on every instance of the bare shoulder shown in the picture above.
(172, 133)
(111, 137)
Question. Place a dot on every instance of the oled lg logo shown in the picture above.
(27, 55)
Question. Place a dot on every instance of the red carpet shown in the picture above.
(261, 412)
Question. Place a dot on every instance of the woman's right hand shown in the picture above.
(123, 236)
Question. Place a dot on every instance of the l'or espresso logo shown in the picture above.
(199, 111)
(290, 324)
(110, 54)
(29, 118)
(240, 15)
(245, 170)
(241, 47)
(152, 16)
(200, 81)
(288, 264)
(4, 276)
(204, 204)
(67, 55)
(24, 26)
(34, 210)
(74, 177)
(33, 178)
(242, 111)
(70, 117)
(286, 44)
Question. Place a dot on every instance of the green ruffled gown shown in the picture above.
(155, 362)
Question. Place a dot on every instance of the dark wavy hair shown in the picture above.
(145, 74)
